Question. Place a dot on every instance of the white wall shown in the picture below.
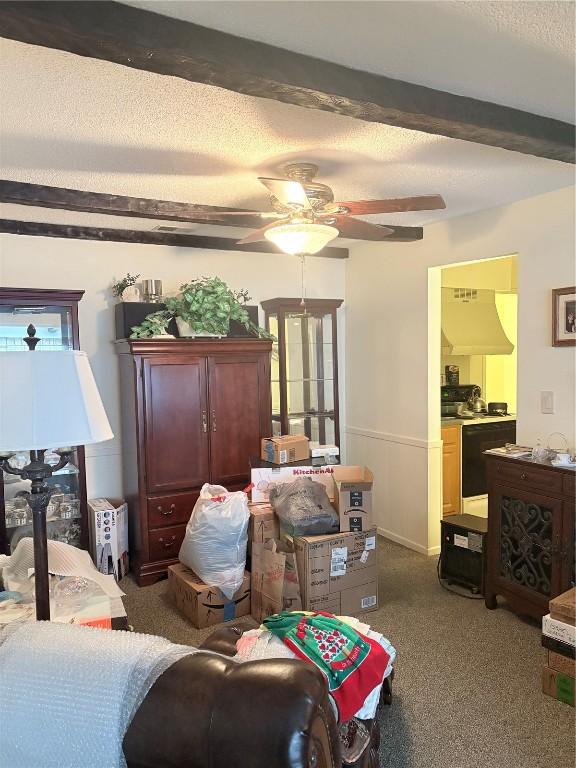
(38, 262)
(393, 357)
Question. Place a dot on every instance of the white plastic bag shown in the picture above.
(214, 545)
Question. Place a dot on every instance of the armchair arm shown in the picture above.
(207, 711)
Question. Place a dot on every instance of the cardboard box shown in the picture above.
(558, 685)
(284, 449)
(562, 664)
(563, 607)
(559, 630)
(263, 477)
(317, 450)
(338, 572)
(264, 524)
(353, 497)
(108, 536)
(205, 605)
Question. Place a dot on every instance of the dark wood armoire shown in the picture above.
(193, 411)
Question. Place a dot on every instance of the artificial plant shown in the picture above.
(208, 305)
(119, 286)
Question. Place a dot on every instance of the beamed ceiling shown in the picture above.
(89, 124)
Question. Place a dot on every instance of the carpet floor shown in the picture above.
(467, 690)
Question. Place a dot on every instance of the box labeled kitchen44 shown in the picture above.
(263, 478)
(205, 605)
(353, 497)
(338, 572)
(108, 536)
(284, 449)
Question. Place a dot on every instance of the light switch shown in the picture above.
(547, 402)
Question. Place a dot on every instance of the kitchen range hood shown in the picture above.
(471, 324)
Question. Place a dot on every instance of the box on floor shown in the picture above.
(204, 605)
(338, 572)
(353, 497)
(284, 449)
(558, 685)
(108, 536)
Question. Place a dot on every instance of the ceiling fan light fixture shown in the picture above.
(301, 237)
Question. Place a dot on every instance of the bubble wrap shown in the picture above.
(69, 693)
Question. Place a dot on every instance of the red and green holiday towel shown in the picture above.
(353, 663)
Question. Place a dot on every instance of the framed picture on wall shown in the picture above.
(564, 317)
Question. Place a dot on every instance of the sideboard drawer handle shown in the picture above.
(167, 544)
(166, 512)
(523, 476)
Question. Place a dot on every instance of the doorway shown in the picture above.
(473, 365)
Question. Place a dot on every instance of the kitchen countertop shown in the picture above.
(446, 421)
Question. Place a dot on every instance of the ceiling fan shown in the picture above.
(305, 216)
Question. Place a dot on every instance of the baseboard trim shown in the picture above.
(408, 543)
(390, 437)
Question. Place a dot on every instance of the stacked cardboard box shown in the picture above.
(338, 572)
(559, 639)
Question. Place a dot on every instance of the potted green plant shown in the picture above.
(204, 307)
(126, 288)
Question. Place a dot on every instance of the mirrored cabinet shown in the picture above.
(54, 314)
(304, 367)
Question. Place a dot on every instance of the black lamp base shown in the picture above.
(38, 471)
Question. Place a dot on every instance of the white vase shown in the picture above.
(187, 332)
(131, 293)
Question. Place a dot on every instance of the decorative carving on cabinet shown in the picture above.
(526, 544)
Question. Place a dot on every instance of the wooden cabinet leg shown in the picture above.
(490, 601)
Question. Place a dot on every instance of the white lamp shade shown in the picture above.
(301, 237)
(49, 400)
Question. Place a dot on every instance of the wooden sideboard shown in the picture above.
(531, 552)
(193, 412)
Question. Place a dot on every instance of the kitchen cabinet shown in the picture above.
(54, 314)
(451, 470)
(531, 547)
(193, 412)
(304, 368)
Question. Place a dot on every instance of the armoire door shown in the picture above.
(176, 423)
(240, 414)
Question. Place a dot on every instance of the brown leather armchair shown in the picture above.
(207, 711)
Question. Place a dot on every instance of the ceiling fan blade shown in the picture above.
(287, 191)
(361, 230)
(255, 237)
(222, 214)
(395, 205)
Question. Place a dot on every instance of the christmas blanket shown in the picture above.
(353, 663)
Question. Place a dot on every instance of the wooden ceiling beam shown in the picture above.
(142, 237)
(80, 201)
(148, 41)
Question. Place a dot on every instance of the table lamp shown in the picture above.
(47, 399)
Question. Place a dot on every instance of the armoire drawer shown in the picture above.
(171, 510)
(164, 543)
(530, 477)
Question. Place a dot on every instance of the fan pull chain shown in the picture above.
(303, 291)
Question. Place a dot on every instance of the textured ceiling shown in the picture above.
(520, 54)
(74, 122)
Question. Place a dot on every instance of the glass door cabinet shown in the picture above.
(54, 314)
(304, 368)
